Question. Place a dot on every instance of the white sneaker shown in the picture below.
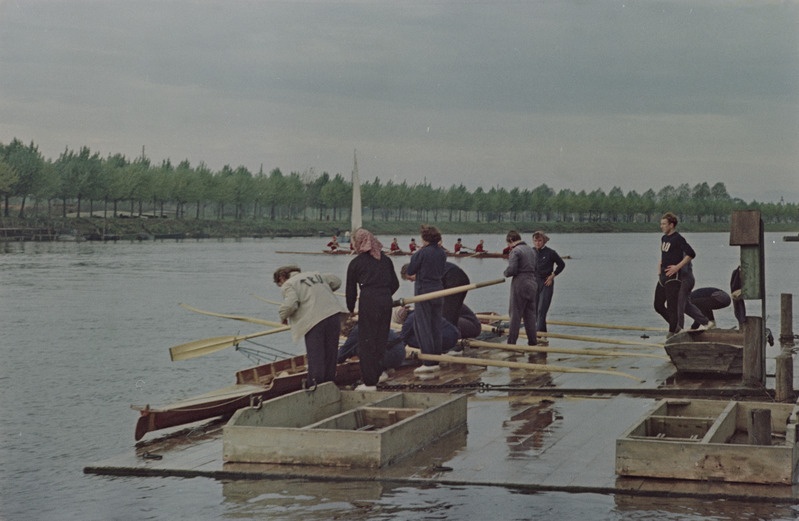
(426, 369)
(453, 352)
(701, 327)
(383, 377)
(364, 387)
(711, 325)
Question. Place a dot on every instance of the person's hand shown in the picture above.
(549, 280)
(672, 270)
(736, 295)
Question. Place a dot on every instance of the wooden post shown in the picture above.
(759, 426)
(783, 383)
(786, 318)
(754, 353)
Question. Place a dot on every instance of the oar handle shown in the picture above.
(446, 292)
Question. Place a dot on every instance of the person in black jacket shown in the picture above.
(372, 274)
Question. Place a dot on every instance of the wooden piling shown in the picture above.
(786, 318)
(759, 426)
(754, 373)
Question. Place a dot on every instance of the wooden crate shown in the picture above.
(709, 440)
(341, 428)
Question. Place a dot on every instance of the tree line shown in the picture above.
(84, 182)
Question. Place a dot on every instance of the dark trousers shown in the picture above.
(667, 296)
(374, 321)
(321, 346)
(427, 327)
(544, 300)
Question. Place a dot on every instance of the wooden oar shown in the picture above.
(252, 320)
(446, 292)
(276, 303)
(492, 329)
(206, 346)
(580, 324)
(546, 368)
(564, 350)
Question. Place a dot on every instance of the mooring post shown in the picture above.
(754, 374)
(786, 318)
(746, 231)
(784, 361)
(759, 427)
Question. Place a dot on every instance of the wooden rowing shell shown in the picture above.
(714, 351)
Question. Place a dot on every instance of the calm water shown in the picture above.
(86, 330)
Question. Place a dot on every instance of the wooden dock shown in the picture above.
(536, 431)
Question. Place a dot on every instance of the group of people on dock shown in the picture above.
(434, 326)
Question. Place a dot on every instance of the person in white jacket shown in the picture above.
(313, 312)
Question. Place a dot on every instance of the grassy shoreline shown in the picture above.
(131, 227)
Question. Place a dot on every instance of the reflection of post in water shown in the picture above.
(529, 425)
(532, 415)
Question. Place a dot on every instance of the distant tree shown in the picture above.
(8, 179)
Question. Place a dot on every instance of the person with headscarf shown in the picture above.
(371, 273)
(548, 266)
(314, 312)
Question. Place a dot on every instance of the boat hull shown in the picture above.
(713, 351)
(255, 384)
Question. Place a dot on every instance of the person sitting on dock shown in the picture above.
(393, 357)
(333, 244)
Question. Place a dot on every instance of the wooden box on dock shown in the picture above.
(710, 440)
(341, 428)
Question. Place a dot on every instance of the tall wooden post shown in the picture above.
(783, 381)
(746, 231)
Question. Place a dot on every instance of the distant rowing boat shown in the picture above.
(401, 254)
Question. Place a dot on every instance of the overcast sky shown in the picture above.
(581, 94)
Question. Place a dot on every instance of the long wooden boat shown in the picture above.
(254, 384)
(401, 254)
(714, 351)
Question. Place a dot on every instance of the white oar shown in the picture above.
(562, 350)
(580, 324)
(206, 346)
(546, 368)
(491, 329)
(252, 320)
(445, 292)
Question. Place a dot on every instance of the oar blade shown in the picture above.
(206, 346)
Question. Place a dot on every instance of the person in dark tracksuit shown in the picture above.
(371, 272)
(522, 262)
(675, 254)
(549, 266)
(427, 264)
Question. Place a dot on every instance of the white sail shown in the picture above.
(357, 218)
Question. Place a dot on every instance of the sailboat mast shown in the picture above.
(357, 218)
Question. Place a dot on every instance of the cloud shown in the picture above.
(574, 94)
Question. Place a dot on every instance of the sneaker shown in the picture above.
(543, 342)
(455, 352)
(701, 327)
(711, 325)
(426, 369)
(383, 377)
(364, 387)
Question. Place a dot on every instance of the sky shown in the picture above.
(575, 94)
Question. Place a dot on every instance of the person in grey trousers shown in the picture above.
(522, 262)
